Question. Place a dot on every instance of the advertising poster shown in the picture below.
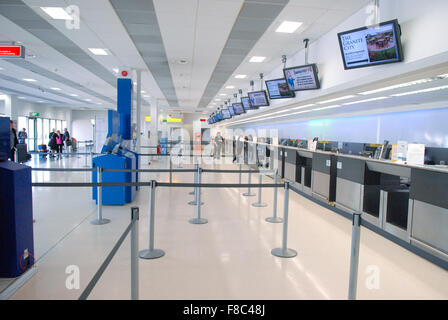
(257, 98)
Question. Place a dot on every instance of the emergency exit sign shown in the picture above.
(12, 51)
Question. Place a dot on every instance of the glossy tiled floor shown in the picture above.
(228, 258)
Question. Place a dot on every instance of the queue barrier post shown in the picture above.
(196, 178)
(284, 251)
(171, 169)
(151, 253)
(274, 218)
(99, 197)
(135, 216)
(259, 204)
(354, 256)
(249, 193)
(239, 178)
(198, 219)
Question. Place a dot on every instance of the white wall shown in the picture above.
(2, 108)
(82, 128)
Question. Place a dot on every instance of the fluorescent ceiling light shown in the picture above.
(116, 70)
(230, 87)
(74, 95)
(443, 76)
(98, 51)
(87, 99)
(302, 107)
(420, 91)
(57, 13)
(1, 68)
(337, 99)
(56, 89)
(29, 80)
(223, 94)
(257, 59)
(397, 86)
(363, 101)
(288, 26)
(329, 107)
(241, 76)
(217, 99)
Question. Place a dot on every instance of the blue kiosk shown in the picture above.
(116, 153)
(16, 211)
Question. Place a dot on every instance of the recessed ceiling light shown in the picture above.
(1, 68)
(222, 94)
(29, 80)
(217, 99)
(98, 51)
(230, 87)
(57, 13)
(257, 59)
(337, 99)
(241, 76)
(116, 70)
(74, 95)
(288, 26)
(87, 99)
(147, 96)
(56, 89)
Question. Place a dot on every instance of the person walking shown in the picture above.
(59, 143)
(23, 136)
(218, 145)
(12, 139)
(52, 143)
(66, 139)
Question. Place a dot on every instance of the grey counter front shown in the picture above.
(350, 183)
(290, 164)
(324, 176)
(429, 220)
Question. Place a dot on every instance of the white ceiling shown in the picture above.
(195, 30)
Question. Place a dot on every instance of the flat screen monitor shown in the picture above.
(225, 114)
(278, 89)
(232, 111)
(302, 77)
(371, 45)
(258, 98)
(238, 108)
(246, 104)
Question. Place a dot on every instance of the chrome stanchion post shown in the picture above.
(194, 179)
(135, 216)
(259, 204)
(248, 193)
(239, 178)
(195, 192)
(274, 218)
(284, 252)
(99, 196)
(151, 253)
(171, 170)
(354, 256)
(198, 219)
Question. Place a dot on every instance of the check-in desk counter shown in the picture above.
(350, 175)
(323, 183)
(304, 169)
(386, 201)
(429, 220)
(290, 156)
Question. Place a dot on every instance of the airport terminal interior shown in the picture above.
(223, 150)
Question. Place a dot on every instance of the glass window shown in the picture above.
(39, 131)
(31, 135)
(64, 124)
(46, 130)
(52, 125)
(22, 123)
(59, 125)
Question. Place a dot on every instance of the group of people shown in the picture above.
(57, 141)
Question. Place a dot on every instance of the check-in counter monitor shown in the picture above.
(324, 177)
(350, 183)
(429, 222)
(290, 164)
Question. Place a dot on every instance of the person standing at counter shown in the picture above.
(218, 145)
(13, 139)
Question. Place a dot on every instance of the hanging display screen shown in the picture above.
(258, 99)
(232, 111)
(302, 77)
(278, 89)
(225, 114)
(372, 45)
(246, 104)
(238, 108)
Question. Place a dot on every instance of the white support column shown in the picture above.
(139, 109)
(153, 140)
